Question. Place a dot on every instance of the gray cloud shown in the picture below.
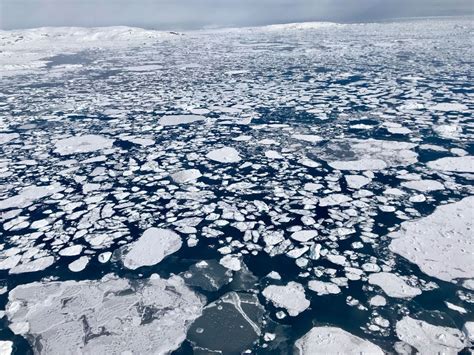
(188, 14)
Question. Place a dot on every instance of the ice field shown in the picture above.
(288, 189)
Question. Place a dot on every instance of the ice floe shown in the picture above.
(393, 285)
(441, 243)
(175, 120)
(224, 155)
(290, 297)
(456, 164)
(332, 340)
(111, 315)
(82, 144)
(427, 338)
(152, 247)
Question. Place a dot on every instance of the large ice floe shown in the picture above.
(107, 316)
(441, 244)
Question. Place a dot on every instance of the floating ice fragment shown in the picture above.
(29, 195)
(441, 243)
(33, 265)
(174, 120)
(8, 137)
(323, 288)
(427, 338)
(82, 144)
(311, 138)
(106, 316)
(356, 181)
(424, 185)
(291, 297)
(334, 200)
(152, 247)
(224, 155)
(305, 235)
(186, 176)
(79, 264)
(331, 340)
(456, 164)
(447, 107)
(393, 285)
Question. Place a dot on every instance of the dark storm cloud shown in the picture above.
(186, 14)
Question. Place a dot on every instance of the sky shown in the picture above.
(192, 14)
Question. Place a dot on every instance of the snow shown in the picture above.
(152, 247)
(393, 285)
(175, 120)
(104, 316)
(224, 155)
(82, 144)
(427, 338)
(186, 176)
(441, 243)
(332, 340)
(456, 164)
(291, 297)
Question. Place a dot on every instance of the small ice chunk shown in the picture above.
(8, 137)
(378, 301)
(291, 297)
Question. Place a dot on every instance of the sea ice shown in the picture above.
(106, 316)
(152, 247)
(429, 339)
(224, 155)
(174, 120)
(441, 243)
(456, 164)
(186, 176)
(291, 297)
(393, 285)
(323, 288)
(332, 340)
(82, 144)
